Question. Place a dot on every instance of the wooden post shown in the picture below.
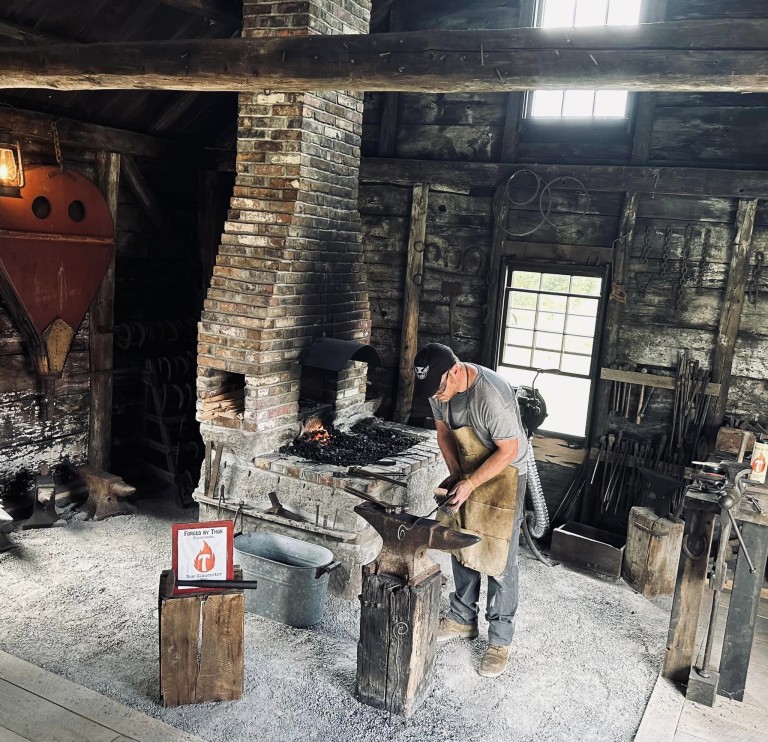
(201, 647)
(617, 299)
(413, 281)
(730, 315)
(689, 590)
(102, 317)
(388, 128)
(396, 650)
(742, 612)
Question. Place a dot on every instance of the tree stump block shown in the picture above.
(201, 647)
(106, 493)
(396, 650)
(652, 554)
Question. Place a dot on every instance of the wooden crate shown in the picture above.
(589, 548)
(653, 552)
(201, 663)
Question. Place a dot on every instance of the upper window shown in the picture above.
(590, 104)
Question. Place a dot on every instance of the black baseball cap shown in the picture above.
(431, 362)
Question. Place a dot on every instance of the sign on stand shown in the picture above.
(202, 551)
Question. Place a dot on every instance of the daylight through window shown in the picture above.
(583, 103)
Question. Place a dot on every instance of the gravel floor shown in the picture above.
(80, 600)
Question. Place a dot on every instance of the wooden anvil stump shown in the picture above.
(106, 493)
(399, 610)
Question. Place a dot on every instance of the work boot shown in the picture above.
(450, 629)
(494, 661)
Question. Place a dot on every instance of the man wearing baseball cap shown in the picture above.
(484, 446)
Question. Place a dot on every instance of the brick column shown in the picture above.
(290, 265)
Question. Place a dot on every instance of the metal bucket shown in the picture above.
(292, 577)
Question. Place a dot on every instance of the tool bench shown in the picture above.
(750, 513)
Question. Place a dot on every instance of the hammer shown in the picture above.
(407, 538)
(168, 581)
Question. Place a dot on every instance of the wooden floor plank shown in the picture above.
(39, 720)
(90, 706)
(726, 721)
(662, 713)
(6, 735)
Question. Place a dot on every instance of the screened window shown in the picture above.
(569, 104)
(550, 322)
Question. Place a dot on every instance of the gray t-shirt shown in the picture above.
(489, 407)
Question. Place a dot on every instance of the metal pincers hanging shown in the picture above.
(56, 244)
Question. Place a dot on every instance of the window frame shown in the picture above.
(510, 264)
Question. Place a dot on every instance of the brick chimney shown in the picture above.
(290, 265)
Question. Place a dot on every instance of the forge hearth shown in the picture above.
(288, 494)
(363, 444)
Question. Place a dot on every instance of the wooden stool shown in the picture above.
(219, 672)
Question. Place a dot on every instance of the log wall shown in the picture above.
(664, 130)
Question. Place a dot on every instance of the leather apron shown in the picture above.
(489, 512)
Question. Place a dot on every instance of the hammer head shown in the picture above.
(406, 539)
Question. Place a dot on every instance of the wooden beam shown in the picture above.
(730, 314)
(680, 56)
(616, 178)
(102, 313)
(30, 125)
(413, 281)
(388, 128)
(13, 31)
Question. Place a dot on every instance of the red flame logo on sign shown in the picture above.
(205, 560)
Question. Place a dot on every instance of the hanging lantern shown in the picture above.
(11, 167)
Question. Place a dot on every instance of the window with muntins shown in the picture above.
(549, 331)
(582, 104)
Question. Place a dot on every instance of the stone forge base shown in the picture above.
(294, 497)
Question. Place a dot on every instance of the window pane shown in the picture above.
(557, 13)
(586, 285)
(591, 12)
(578, 103)
(545, 359)
(611, 103)
(523, 338)
(522, 300)
(526, 280)
(577, 344)
(584, 307)
(550, 322)
(547, 103)
(520, 318)
(576, 364)
(548, 341)
(553, 303)
(555, 282)
(584, 326)
(516, 356)
(624, 12)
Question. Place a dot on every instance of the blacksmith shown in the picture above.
(484, 446)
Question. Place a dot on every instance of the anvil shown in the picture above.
(407, 538)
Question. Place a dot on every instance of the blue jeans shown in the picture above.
(502, 601)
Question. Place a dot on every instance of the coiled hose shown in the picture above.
(536, 521)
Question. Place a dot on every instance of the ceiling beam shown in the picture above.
(13, 31)
(678, 56)
(686, 181)
(32, 126)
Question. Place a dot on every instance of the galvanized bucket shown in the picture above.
(292, 577)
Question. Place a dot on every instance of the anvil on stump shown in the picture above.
(400, 604)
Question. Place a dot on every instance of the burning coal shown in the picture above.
(364, 444)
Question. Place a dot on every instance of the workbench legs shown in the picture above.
(742, 613)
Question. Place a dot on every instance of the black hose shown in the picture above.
(535, 549)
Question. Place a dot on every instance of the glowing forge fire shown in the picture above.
(314, 431)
